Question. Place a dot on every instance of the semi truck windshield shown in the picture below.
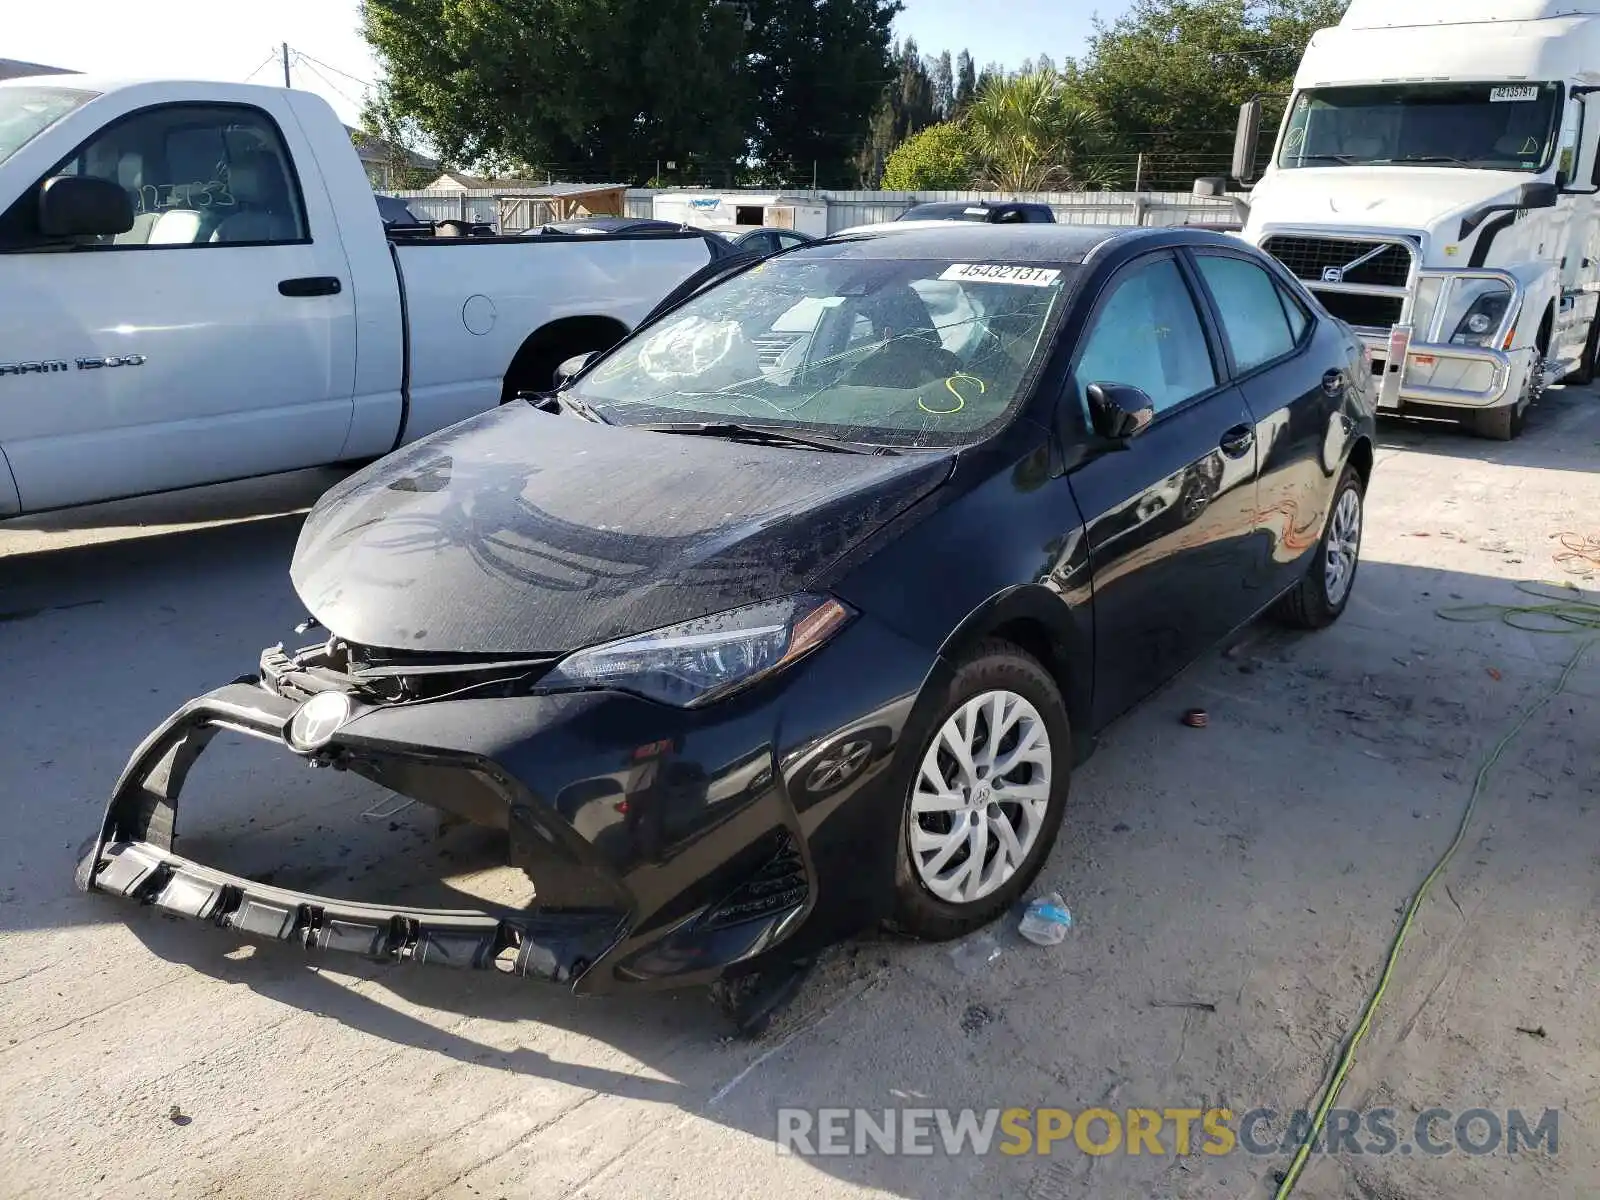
(1494, 126)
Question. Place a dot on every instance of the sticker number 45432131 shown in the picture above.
(1504, 95)
(1000, 273)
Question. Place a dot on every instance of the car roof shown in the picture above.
(973, 240)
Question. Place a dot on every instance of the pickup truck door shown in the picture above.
(214, 340)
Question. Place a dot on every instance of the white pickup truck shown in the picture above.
(196, 285)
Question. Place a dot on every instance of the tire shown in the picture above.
(1584, 375)
(1318, 599)
(1032, 710)
(1500, 424)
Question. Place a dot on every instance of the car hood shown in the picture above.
(521, 532)
(1428, 199)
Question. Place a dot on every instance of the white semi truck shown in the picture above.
(1433, 182)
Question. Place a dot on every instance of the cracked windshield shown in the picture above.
(894, 352)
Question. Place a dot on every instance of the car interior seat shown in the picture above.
(913, 353)
(265, 211)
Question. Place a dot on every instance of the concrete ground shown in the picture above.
(1251, 871)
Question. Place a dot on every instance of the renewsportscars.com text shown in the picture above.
(1160, 1131)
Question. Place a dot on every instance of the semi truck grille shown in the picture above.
(1372, 312)
(1310, 257)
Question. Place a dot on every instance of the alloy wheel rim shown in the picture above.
(980, 797)
(1344, 546)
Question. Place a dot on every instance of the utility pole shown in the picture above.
(286, 82)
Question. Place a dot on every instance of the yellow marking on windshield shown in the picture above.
(950, 386)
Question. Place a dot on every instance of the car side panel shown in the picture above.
(1302, 425)
(999, 543)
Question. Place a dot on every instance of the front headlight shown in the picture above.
(698, 661)
(1477, 307)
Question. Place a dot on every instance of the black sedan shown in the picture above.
(761, 239)
(797, 609)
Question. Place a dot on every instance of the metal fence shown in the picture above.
(511, 213)
(847, 209)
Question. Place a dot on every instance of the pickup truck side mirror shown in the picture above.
(1118, 411)
(572, 366)
(72, 206)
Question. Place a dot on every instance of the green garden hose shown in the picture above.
(1564, 611)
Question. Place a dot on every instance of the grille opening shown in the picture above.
(253, 809)
(1308, 257)
(1370, 312)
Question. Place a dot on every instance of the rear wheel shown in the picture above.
(1319, 597)
(986, 795)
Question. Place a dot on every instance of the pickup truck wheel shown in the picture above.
(985, 794)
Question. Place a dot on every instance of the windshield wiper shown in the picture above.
(738, 431)
(1342, 159)
(1437, 158)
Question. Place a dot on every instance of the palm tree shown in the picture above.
(1032, 136)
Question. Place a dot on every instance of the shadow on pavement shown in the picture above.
(1562, 434)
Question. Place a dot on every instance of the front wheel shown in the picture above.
(1321, 595)
(1500, 424)
(986, 796)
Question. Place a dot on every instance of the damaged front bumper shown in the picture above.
(131, 857)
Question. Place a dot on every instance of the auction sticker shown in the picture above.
(998, 273)
(1502, 95)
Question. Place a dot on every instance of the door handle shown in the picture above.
(1333, 383)
(311, 285)
(1238, 441)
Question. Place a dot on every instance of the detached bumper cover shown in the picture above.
(131, 858)
(556, 949)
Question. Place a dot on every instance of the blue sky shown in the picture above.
(1021, 28)
(117, 37)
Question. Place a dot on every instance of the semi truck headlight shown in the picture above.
(1476, 309)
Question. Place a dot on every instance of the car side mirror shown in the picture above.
(1119, 411)
(568, 370)
(72, 206)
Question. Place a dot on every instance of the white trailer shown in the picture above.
(727, 211)
(1433, 182)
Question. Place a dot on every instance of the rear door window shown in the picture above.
(1253, 315)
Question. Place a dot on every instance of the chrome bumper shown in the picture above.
(1421, 367)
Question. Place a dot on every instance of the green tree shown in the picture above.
(937, 159)
(1169, 75)
(908, 105)
(816, 70)
(944, 86)
(608, 88)
(966, 82)
(1030, 134)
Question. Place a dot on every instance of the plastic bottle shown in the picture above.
(1047, 920)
